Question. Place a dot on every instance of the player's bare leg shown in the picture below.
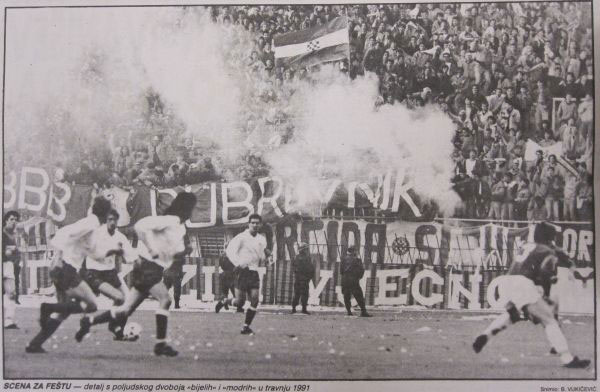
(542, 312)
(251, 311)
(545, 313)
(118, 315)
(10, 304)
(85, 294)
(500, 323)
(118, 296)
(160, 292)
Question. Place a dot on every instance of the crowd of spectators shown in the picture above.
(504, 73)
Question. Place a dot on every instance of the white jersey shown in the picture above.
(103, 242)
(161, 236)
(246, 250)
(75, 240)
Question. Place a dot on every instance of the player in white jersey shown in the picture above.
(245, 251)
(100, 269)
(72, 243)
(160, 241)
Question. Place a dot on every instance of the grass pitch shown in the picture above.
(325, 345)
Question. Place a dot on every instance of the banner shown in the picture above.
(219, 203)
(433, 244)
(400, 285)
(427, 264)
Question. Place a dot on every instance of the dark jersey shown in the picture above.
(538, 262)
(303, 268)
(352, 269)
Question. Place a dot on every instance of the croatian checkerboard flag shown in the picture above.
(320, 44)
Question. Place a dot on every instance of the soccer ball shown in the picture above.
(132, 331)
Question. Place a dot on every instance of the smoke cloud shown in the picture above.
(82, 76)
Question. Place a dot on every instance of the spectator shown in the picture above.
(585, 201)
(570, 138)
(148, 176)
(554, 190)
(542, 117)
(570, 195)
(585, 113)
(524, 104)
(498, 197)
(566, 110)
(522, 198)
(548, 140)
(537, 210)
(508, 203)
(511, 58)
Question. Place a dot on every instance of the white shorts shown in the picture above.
(8, 270)
(519, 290)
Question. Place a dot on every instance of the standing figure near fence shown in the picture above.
(10, 267)
(352, 271)
(526, 287)
(245, 251)
(304, 271)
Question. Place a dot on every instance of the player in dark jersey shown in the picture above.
(531, 274)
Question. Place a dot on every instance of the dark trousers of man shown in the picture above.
(17, 282)
(353, 289)
(300, 294)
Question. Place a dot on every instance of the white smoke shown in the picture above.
(341, 129)
(82, 76)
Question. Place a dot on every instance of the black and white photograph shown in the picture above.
(246, 196)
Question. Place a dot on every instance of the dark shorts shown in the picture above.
(145, 275)
(65, 277)
(96, 277)
(247, 280)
